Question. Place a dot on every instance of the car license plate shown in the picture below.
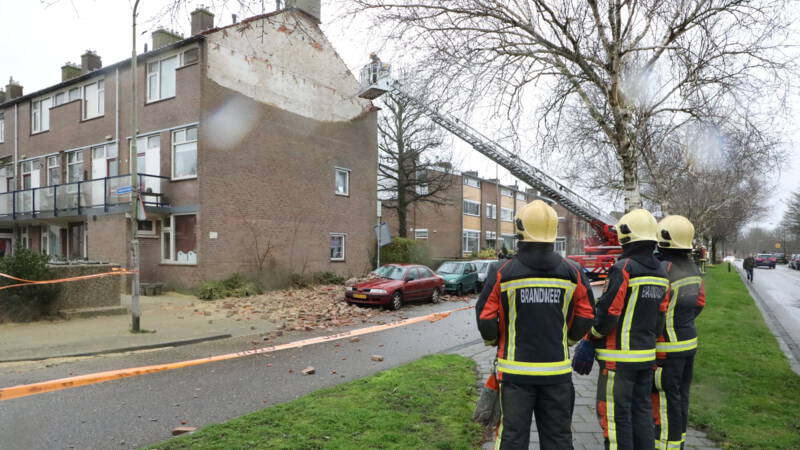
(359, 296)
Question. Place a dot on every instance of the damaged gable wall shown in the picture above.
(286, 61)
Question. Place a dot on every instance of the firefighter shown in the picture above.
(533, 306)
(628, 318)
(677, 344)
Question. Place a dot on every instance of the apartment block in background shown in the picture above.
(479, 214)
(253, 152)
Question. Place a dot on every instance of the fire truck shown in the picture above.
(602, 249)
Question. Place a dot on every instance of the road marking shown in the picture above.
(25, 390)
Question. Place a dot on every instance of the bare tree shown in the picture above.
(412, 168)
(791, 218)
(611, 66)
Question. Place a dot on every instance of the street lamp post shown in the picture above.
(132, 160)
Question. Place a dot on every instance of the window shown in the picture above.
(491, 211)
(421, 233)
(53, 170)
(74, 94)
(469, 181)
(2, 128)
(337, 246)
(191, 56)
(509, 241)
(26, 168)
(74, 170)
(40, 114)
(506, 214)
(184, 153)
(471, 241)
(94, 99)
(422, 189)
(521, 196)
(472, 208)
(147, 228)
(491, 235)
(59, 98)
(561, 246)
(179, 239)
(342, 181)
(507, 192)
(161, 78)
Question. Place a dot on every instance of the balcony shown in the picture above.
(98, 196)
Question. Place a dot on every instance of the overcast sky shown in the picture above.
(37, 38)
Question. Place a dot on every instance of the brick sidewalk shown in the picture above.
(586, 432)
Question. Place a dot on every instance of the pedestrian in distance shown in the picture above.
(677, 344)
(749, 264)
(628, 318)
(533, 306)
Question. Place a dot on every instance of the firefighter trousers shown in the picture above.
(671, 384)
(552, 406)
(624, 408)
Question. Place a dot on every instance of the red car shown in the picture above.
(766, 259)
(397, 284)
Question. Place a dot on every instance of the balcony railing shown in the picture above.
(79, 197)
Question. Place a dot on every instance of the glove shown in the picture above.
(583, 358)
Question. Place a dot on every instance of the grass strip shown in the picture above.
(425, 404)
(744, 394)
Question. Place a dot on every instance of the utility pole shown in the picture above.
(132, 160)
(378, 234)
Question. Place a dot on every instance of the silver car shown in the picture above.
(483, 269)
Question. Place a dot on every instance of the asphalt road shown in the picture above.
(137, 411)
(779, 290)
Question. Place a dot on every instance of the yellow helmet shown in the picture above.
(675, 232)
(536, 222)
(637, 225)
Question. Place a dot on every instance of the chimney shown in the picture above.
(13, 89)
(311, 7)
(163, 37)
(202, 20)
(69, 71)
(90, 61)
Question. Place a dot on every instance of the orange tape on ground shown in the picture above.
(26, 390)
(24, 282)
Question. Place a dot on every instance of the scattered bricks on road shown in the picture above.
(309, 371)
(377, 358)
(182, 430)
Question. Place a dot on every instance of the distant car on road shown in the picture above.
(794, 262)
(483, 269)
(459, 276)
(397, 284)
(766, 260)
(780, 258)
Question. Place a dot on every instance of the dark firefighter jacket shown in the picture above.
(533, 304)
(630, 313)
(687, 299)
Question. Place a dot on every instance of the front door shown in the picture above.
(76, 240)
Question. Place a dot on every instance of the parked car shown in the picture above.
(794, 262)
(780, 258)
(459, 276)
(766, 260)
(482, 265)
(397, 284)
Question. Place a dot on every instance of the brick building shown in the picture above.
(252, 146)
(477, 216)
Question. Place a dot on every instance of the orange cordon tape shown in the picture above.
(25, 390)
(24, 282)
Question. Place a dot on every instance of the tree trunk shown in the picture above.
(630, 183)
(402, 219)
(713, 251)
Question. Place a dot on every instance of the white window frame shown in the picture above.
(560, 246)
(491, 235)
(471, 202)
(171, 230)
(421, 234)
(474, 182)
(57, 165)
(507, 214)
(100, 95)
(343, 236)
(174, 144)
(183, 62)
(491, 211)
(156, 77)
(148, 234)
(521, 197)
(346, 172)
(38, 113)
(2, 127)
(422, 189)
(470, 234)
(506, 192)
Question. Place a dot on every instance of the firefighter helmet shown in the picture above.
(536, 222)
(675, 232)
(637, 225)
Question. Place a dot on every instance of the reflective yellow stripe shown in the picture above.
(612, 426)
(627, 321)
(564, 331)
(662, 410)
(537, 282)
(686, 281)
(596, 333)
(671, 314)
(658, 281)
(626, 355)
(512, 325)
(680, 346)
(533, 368)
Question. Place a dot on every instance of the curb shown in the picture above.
(124, 349)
